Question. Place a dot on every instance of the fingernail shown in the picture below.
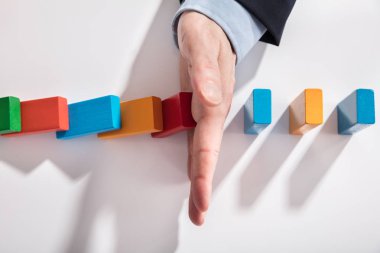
(212, 93)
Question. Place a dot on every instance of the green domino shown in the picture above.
(10, 115)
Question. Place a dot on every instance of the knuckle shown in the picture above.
(204, 65)
(205, 72)
(204, 78)
(208, 152)
(200, 179)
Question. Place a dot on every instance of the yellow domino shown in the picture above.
(306, 111)
(140, 116)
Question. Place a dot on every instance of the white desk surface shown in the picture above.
(272, 193)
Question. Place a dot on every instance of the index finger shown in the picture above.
(206, 145)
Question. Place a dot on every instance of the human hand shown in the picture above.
(207, 67)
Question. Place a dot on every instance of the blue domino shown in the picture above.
(356, 112)
(92, 116)
(258, 111)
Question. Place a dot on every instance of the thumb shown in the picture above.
(205, 80)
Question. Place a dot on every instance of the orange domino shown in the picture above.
(140, 116)
(43, 115)
(306, 111)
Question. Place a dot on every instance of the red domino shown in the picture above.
(177, 117)
(43, 115)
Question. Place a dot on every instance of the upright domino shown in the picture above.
(356, 112)
(177, 117)
(43, 115)
(10, 115)
(306, 111)
(92, 116)
(138, 116)
(257, 111)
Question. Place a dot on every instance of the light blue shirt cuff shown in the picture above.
(242, 29)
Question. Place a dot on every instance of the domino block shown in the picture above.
(92, 116)
(356, 112)
(10, 115)
(306, 111)
(43, 115)
(176, 113)
(257, 111)
(138, 116)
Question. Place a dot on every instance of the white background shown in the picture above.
(272, 193)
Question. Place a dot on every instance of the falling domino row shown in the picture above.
(109, 118)
(105, 116)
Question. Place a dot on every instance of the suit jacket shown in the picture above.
(273, 14)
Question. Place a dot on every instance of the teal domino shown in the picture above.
(93, 116)
(356, 112)
(258, 111)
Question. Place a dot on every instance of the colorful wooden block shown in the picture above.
(93, 116)
(258, 111)
(356, 112)
(306, 111)
(10, 115)
(138, 116)
(43, 115)
(176, 113)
